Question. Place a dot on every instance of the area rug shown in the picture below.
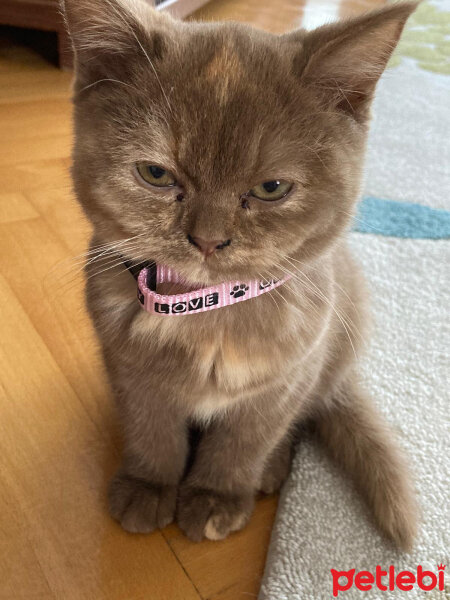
(401, 239)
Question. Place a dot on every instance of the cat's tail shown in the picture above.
(364, 446)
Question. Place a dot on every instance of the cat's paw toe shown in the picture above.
(139, 505)
(206, 514)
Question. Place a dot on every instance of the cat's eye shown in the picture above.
(271, 190)
(155, 175)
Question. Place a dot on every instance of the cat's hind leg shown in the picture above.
(278, 465)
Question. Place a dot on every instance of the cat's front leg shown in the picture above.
(142, 495)
(218, 494)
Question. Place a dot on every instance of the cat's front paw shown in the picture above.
(139, 505)
(207, 514)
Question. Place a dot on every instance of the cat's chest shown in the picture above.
(215, 360)
(219, 363)
(228, 371)
(233, 362)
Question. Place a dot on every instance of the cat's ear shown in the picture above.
(344, 60)
(108, 34)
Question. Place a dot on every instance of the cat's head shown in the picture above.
(224, 149)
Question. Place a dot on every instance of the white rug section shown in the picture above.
(408, 152)
(321, 522)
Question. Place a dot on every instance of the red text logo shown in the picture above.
(388, 579)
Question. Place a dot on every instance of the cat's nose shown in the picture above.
(208, 247)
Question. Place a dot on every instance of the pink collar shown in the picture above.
(197, 301)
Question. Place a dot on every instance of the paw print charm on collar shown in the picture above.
(239, 290)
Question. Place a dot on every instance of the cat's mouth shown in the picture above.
(191, 275)
(186, 277)
(178, 280)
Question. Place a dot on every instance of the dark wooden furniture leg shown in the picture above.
(65, 52)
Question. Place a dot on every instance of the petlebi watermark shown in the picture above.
(388, 579)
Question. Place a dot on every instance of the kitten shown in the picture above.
(230, 154)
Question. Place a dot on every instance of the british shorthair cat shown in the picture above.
(228, 160)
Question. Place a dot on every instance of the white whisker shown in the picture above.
(86, 87)
(347, 327)
(130, 29)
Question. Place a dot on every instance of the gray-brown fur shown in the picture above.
(225, 107)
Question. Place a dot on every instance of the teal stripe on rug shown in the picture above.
(401, 219)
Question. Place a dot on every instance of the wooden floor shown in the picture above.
(59, 440)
